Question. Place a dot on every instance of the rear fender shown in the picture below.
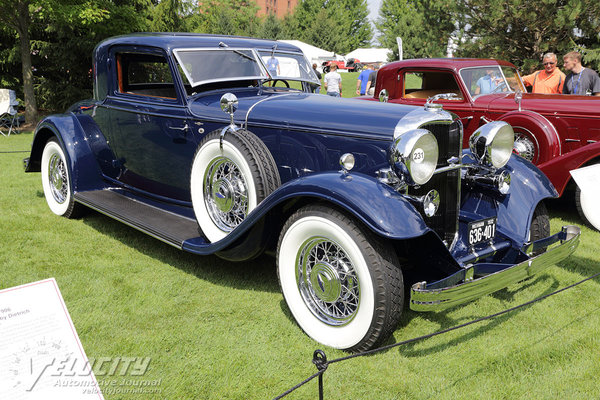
(85, 173)
(557, 169)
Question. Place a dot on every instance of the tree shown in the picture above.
(336, 25)
(225, 17)
(522, 31)
(168, 16)
(424, 26)
(15, 14)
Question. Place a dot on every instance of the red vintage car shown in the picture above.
(558, 133)
(350, 65)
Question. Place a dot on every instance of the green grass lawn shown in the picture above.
(221, 330)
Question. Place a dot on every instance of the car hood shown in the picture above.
(306, 111)
(545, 104)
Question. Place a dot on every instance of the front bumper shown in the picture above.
(438, 296)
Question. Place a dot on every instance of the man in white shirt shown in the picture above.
(333, 82)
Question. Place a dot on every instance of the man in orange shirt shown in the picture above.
(550, 80)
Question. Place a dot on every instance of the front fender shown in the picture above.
(557, 169)
(85, 173)
(529, 186)
(375, 204)
(545, 133)
(378, 206)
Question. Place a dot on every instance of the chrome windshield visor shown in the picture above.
(485, 278)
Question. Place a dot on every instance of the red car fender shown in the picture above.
(544, 134)
(557, 169)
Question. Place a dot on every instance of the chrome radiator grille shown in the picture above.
(445, 222)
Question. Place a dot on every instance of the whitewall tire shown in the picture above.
(229, 181)
(342, 285)
(588, 209)
(56, 181)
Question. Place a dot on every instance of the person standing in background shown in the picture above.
(371, 82)
(580, 80)
(549, 80)
(317, 88)
(333, 82)
(361, 82)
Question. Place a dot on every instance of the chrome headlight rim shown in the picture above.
(413, 156)
(492, 144)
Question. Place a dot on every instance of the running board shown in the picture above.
(163, 225)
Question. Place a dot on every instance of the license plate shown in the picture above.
(482, 230)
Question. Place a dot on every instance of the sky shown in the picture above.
(373, 8)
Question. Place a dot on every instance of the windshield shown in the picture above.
(212, 65)
(203, 66)
(283, 65)
(491, 79)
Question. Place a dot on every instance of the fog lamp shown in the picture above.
(503, 182)
(431, 203)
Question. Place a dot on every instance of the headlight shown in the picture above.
(492, 144)
(415, 153)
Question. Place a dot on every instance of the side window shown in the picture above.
(145, 75)
(424, 84)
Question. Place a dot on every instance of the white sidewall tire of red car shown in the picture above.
(53, 149)
(207, 153)
(587, 205)
(341, 337)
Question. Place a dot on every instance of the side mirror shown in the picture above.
(229, 103)
(384, 96)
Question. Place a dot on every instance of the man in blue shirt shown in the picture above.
(363, 78)
(273, 66)
(488, 83)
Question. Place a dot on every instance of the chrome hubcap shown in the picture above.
(327, 281)
(524, 147)
(57, 177)
(225, 193)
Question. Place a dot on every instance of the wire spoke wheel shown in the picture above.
(225, 193)
(327, 281)
(57, 176)
(525, 145)
(343, 285)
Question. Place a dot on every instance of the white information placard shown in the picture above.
(588, 180)
(41, 356)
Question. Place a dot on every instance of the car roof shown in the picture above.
(446, 63)
(169, 41)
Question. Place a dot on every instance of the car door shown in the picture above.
(150, 134)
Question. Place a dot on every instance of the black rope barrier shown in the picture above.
(320, 359)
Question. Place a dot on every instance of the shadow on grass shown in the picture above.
(258, 274)
(574, 264)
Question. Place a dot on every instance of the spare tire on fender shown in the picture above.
(229, 181)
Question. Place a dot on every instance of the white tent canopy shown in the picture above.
(312, 53)
(370, 56)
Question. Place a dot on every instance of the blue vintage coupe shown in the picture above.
(193, 140)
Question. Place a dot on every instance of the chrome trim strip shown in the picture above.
(261, 101)
(423, 299)
(419, 117)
